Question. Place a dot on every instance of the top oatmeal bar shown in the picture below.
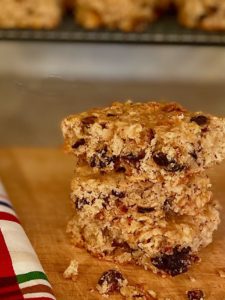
(157, 140)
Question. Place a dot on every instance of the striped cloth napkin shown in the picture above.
(21, 274)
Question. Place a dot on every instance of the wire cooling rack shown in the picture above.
(164, 31)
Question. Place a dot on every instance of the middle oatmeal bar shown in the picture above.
(93, 193)
(154, 140)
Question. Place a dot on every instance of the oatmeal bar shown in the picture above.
(165, 244)
(127, 15)
(156, 140)
(36, 14)
(204, 14)
(93, 193)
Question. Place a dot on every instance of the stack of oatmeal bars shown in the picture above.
(140, 192)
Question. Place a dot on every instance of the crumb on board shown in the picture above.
(221, 273)
(152, 294)
(72, 271)
(191, 278)
(112, 281)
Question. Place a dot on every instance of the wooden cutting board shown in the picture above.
(38, 180)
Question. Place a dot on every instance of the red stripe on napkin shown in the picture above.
(8, 217)
(6, 270)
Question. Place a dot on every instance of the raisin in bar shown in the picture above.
(156, 140)
(167, 245)
(96, 194)
(126, 15)
(35, 14)
(204, 14)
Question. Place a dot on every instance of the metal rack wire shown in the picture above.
(165, 31)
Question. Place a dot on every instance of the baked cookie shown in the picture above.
(96, 195)
(35, 14)
(126, 15)
(203, 14)
(166, 244)
(158, 141)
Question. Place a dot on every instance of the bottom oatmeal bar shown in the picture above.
(167, 245)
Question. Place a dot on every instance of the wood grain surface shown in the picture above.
(38, 180)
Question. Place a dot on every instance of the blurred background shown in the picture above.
(42, 82)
